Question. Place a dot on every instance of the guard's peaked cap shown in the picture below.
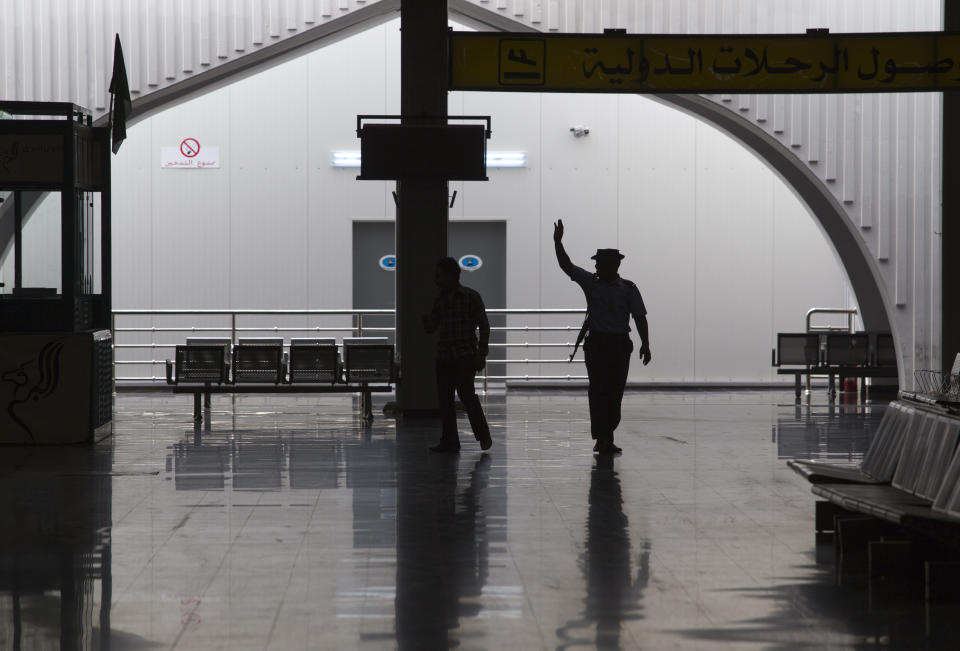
(607, 253)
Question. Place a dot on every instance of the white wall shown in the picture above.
(723, 252)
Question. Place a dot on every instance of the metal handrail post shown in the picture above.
(851, 312)
(113, 351)
(359, 324)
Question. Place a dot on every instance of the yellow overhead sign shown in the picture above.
(621, 63)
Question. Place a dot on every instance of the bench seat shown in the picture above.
(880, 461)
(819, 472)
(260, 366)
(924, 491)
(895, 506)
(884, 502)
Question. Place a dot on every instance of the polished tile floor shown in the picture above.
(291, 525)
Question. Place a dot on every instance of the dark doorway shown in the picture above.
(481, 246)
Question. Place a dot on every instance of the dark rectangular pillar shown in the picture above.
(950, 210)
(422, 212)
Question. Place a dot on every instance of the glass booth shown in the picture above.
(56, 372)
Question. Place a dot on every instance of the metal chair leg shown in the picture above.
(366, 405)
(197, 409)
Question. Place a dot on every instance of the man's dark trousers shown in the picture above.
(457, 375)
(608, 361)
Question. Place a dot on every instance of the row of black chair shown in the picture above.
(910, 474)
(208, 360)
(835, 349)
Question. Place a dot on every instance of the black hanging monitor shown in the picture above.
(425, 149)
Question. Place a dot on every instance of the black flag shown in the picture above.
(120, 104)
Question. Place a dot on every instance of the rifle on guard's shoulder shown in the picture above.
(585, 327)
(581, 335)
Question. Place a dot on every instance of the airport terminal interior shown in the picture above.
(220, 223)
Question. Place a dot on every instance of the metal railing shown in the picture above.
(851, 314)
(168, 328)
(939, 386)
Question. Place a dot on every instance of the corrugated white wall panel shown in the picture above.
(193, 213)
(133, 201)
(331, 125)
(62, 50)
(523, 213)
(268, 161)
(659, 211)
(733, 258)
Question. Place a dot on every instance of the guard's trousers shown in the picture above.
(457, 375)
(607, 356)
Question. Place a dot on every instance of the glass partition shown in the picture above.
(30, 237)
(38, 241)
(7, 210)
(54, 198)
(40, 244)
(89, 234)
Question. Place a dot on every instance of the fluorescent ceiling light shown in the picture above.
(506, 159)
(345, 158)
(494, 159)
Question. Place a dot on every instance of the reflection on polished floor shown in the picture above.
(291, 525)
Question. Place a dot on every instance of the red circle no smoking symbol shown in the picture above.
(190, 147)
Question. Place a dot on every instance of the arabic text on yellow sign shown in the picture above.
(920, 61)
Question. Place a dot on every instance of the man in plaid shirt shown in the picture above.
(458, 313)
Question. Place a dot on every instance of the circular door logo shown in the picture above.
(388, 262)
(470, 262)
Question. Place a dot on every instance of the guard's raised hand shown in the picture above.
(558, 230)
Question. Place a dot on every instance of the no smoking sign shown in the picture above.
(190, 156)
(190, 147)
